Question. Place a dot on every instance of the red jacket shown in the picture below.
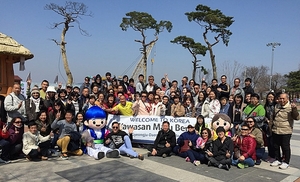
(3, 135)
(247, 146)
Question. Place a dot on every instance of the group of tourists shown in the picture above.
(56, 117)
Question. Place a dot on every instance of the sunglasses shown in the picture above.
(204, 133)
(156, 98)
(18, 122)
(244, 129)
(115, 127)
(249, 121)
(144, 96)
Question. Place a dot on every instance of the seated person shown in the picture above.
(4, 144)
(164, 142)
(34, 144)
(257, 134)
(186, 139)
(203, 143)
(119, 139)
(16, 131)
(220, 156)
(245, 145)
(65, 127)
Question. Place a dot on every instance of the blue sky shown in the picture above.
(111, 49)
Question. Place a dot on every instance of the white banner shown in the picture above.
(147, 127)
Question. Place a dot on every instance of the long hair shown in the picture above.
(197, 125)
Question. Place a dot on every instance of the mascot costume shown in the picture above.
(221, 120)
(95, 133)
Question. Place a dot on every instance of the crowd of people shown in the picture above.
(54, 117)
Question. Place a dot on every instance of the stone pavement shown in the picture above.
(172, 168)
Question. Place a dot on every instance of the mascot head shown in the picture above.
(221, 120)
(95, 118)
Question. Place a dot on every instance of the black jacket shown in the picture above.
(220, 149)
(163, 137)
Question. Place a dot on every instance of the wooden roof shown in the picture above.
(9, 46)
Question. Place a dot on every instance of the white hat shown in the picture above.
(51, 89)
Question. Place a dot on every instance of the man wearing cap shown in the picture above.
(69, 89)
(191, 136)
(14, 104)
(255, 109)
(222, 151)
(34, 104)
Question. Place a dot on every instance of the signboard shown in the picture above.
(147, 127)
(23, 88)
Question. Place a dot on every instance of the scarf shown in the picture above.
(36, 102)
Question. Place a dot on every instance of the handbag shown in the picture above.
(185, 147)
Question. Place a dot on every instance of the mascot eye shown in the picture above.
(101, 122)
(225, 124)
(218, 123)
(94, 122)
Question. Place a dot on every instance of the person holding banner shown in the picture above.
(164, 142)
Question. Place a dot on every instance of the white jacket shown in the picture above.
(31, 141)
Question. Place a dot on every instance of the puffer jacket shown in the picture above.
(247, 146)
(284, 119)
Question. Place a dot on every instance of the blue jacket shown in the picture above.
(187, 136)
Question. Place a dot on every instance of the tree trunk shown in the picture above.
(64, 54)
(194, 67)
(213, 62)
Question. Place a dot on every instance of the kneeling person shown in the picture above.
(34, 144)
(119, 139)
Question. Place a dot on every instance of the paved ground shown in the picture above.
(173, 168)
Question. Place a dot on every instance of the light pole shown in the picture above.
(273, 44)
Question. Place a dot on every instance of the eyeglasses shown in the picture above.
(144, 96)
(115, 127)
(244, 129)
(18, 122)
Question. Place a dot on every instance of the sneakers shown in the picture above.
(113, 154)
(149, 154)
(275, 163)
(187, 159)
(44, 158)
(257, 162)
(226, 167)
(64, 156)
(164, 155)
(196, 163)
(4, 161)
(141, 157)
(283, 166)
(209, 163)
(242, 165)
(100, 155)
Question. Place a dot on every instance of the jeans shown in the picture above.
(5, 149)
(194, 155)
(127, 147)
(260, 152)
(249, 161)
(283, 142)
